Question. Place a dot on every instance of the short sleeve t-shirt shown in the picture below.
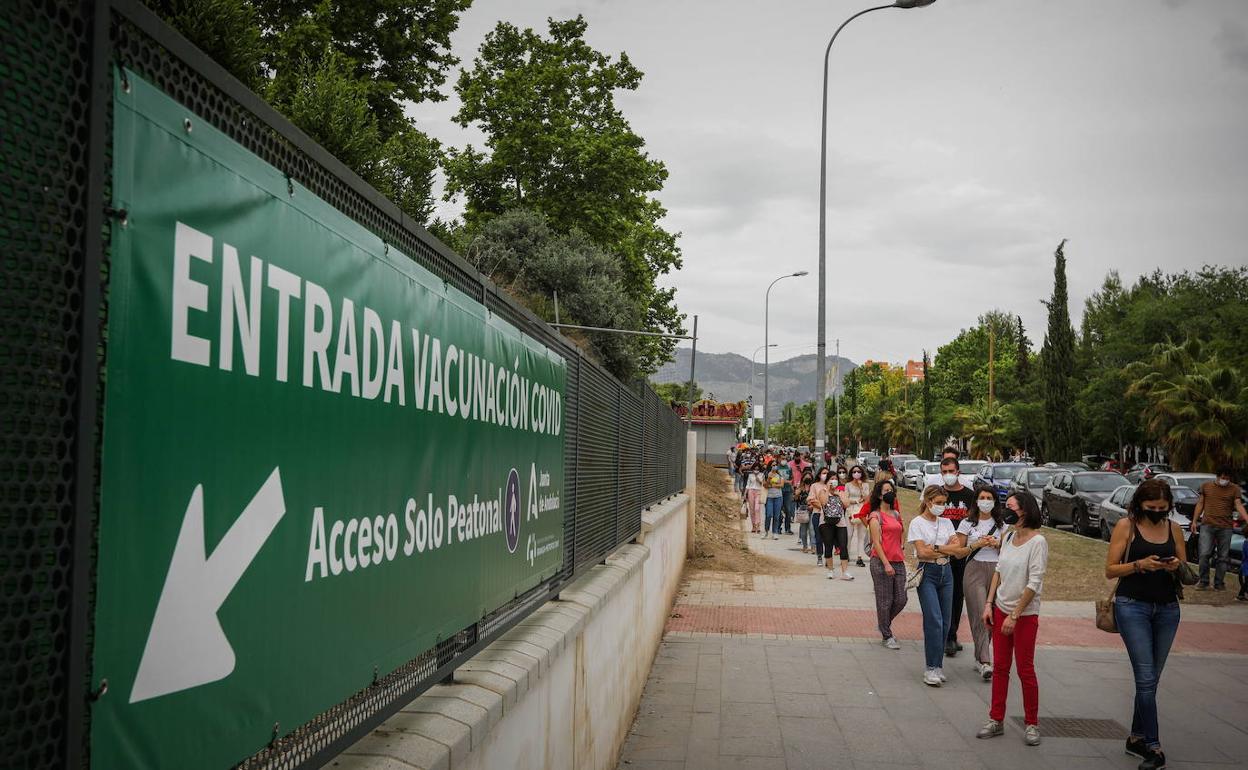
(934, 533)
(961, 503)
(1219, 504)
(980, 529)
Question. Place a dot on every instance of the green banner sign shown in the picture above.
(319, 459)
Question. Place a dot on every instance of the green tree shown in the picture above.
(988, 426)
(902, 425)
(676, 391)
(1057, 360)
(1197, 408)
(558, 144)
(1022, 354)
(927, 409)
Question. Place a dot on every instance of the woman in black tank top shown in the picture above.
(1144, 554)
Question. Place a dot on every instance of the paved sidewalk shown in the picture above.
(787, 672)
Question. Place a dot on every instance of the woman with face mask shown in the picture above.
(1013, 611)
(802, 498)
(754, 482)
(857, 491)
(932, 536)
(979, 537)
(1145, 551)
(888, 564)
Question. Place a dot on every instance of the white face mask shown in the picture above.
(949, 478)
(986, 506)
(1223, 482)
(937, 510)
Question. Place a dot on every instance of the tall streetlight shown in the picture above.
(821, 371)
(753, 365)
(766, 347)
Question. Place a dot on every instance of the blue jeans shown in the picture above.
(772, 517)
(936, 599)
(1212, 538)
(815, 518)
(1147, 630)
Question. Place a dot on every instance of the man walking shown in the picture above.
(1213, 520)
(961, 501)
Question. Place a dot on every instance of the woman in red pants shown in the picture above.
(1013, 611)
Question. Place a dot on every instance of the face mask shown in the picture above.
(1010, 517)
(938, 510)
(888, 497)
(1155, 516)
(857, 475)
(985, 506)
(1223, 482)
(949, 478)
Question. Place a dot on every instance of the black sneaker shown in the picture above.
(860, 562)
(1202, 586)
(1219, 588)
(951, 649)
(1136, 747)
(1156, 760)
(1242, 598)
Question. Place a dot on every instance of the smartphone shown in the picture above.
(1168, 558)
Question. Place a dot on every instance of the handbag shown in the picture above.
(802, 516)
(914, 578)
(1105, 619)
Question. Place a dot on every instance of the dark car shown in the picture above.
(1115, 507)
(1032, 480)
(1074, 497)
(999, 476)
(1141, 471)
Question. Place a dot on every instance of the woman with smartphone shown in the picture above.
(1145, 551)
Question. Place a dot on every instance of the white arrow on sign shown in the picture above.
(186, 646)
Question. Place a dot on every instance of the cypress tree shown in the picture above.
(927, 410)
(1022, 366)
(1057, 361)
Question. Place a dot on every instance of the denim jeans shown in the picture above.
(1147, 630)
(1211, 538)
(772, 518)
(936, 599)
(816, 517)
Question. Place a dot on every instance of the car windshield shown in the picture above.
(1039, 478)
(1183, 494)
(1097, 482)
(973, 466)
(914, 465)
(931, 468)
(1193, 482)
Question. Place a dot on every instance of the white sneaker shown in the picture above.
(891, 643)
(847, 576)
(991, 729)
(930, 678)
(1031, 736)
(831, 575)
(985, 671)
(819, 562)
(775, 537)
(940, 672)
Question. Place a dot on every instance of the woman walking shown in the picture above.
(817, 501)
(888, 564)
(931, 537)
(1013, 610)
(979, 537)
(857, 492)
(773, 483)
(804, 528)
(1144, 553)
(753, 491)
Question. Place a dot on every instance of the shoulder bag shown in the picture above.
(1105, 619)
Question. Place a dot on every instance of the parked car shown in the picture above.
(999, 476)
(1071, 466)
(912, 473)
(1032, 480)
(872, 463)
(1141, 471)
(970, 469)
(899, 462)
(1073, 497)
(931, 475)
(1115, 507)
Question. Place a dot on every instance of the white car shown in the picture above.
(912, 474)
(970, 469)
(931, 475)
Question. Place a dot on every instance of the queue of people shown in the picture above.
(974, 552)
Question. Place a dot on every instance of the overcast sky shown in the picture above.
(966, 140)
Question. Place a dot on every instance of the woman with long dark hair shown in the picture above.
(1145, 551)
(888, 563)
(1013, 611)
(856, 492)
(978, 537)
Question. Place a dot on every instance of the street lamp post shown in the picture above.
(821, 392)
(767, 347)
(753, 373)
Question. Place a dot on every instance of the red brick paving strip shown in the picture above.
(791, 621)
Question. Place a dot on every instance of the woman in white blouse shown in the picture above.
(979, 536)
(933, 541)
(1013, 610)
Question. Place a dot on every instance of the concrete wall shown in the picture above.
(560, 689)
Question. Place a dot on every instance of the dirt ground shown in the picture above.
(718, 537)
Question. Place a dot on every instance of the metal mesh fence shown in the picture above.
(624, 449)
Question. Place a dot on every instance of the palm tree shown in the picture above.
(988, 425)
(1196, 409)
(902, 425)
